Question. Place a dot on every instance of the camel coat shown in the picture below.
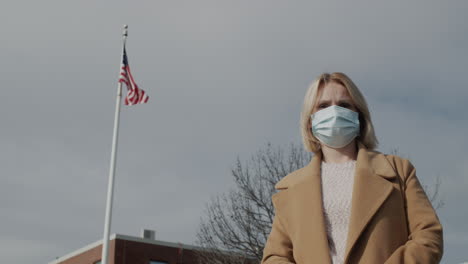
(391, 221)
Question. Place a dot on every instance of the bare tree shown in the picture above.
(237, 224)
(240, 221)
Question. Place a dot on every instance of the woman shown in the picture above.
(350, 204)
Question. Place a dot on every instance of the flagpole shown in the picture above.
(110, 185)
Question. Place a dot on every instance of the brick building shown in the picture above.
(125, 249)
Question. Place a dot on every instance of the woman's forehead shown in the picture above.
(333, 90)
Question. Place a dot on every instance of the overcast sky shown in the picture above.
(224, 78)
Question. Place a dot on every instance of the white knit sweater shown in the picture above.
(337, 189)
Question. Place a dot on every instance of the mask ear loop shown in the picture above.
(312, 132)
(359, 131)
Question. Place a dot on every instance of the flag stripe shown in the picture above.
(135, 95)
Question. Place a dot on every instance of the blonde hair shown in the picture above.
(367, 133)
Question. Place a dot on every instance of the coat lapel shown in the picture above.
(370, 190)
(310, 219)
(302, 203)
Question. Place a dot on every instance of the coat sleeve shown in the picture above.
(278, 247)
(425, 240)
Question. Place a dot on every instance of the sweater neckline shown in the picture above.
(340, 164)
(350, 161)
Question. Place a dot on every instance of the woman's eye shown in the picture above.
(345, 105)
(322, 106)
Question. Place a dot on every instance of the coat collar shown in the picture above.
(303, 201)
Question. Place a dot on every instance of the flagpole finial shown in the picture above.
(125, 31)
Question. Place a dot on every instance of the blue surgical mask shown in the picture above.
(335, 126)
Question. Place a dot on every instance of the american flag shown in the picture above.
(135, 95)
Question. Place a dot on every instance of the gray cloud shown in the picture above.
(223, 79)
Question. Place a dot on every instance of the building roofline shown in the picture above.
(156, 242)
(127, 238)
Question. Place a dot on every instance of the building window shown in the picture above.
(158, 262)
(97, 262)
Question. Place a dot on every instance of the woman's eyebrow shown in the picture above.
(323, 101)
(328, 101)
